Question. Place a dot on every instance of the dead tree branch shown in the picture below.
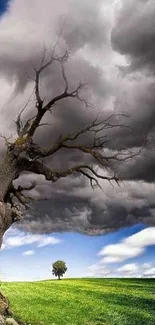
(38, 167)
(97, 146)
(17, 193)
(26, 154)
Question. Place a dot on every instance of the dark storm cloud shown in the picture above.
(71, 204)
(134, 32)
(133, 36)
(81, 22)
(73, 207)
(17, 60)
(85, 25)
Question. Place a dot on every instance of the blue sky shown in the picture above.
(27, 257)
(3, 6)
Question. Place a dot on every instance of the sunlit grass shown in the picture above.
(83, 302)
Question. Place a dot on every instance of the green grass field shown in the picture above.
(83, 301)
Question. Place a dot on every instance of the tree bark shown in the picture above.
(8, 172)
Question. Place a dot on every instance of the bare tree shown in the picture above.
(24, 154)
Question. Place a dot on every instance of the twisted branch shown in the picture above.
(50, 174)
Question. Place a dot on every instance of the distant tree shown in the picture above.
(59, 269)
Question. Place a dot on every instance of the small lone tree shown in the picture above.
(59, 269)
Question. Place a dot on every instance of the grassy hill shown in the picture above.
(83, 301)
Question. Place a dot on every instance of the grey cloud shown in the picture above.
(72, 205)
(81, 23)
(133, 36)
(80, 30)
(134, 32)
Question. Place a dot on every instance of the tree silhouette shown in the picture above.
(25, 155)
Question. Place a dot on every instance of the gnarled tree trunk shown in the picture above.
(8, 172)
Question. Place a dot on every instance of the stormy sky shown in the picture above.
(111, 49)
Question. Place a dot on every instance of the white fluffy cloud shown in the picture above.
(28, 253)
(130, 247)
(131, 270)
(119, 252)
(136, 270)
(18, 239)
(97, 270)
(150, 272)
(142, 239)
(128, 268)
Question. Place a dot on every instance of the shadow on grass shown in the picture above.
(129, 283)
(136, 310)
